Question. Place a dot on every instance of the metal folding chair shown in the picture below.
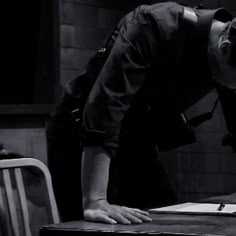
(16, 175)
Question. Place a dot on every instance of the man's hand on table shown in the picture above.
(102, 211)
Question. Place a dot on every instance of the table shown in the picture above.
(162, 224)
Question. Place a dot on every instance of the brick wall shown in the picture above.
(84, 27)
(204, 168)
(29, 142)
(196, 171)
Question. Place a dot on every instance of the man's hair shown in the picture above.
(229, 33)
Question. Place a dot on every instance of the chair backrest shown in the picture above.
(15, 219)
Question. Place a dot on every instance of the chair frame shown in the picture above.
(16, 165)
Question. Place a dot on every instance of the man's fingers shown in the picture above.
(119, 218)
(116, 214)
(105, 219)
(136, 210)
(141, 216)
(140, 211)
(132, 218)
(99, 216)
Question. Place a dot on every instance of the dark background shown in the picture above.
(45, 43)
(30, 38)
(27, 51)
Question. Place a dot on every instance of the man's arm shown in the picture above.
(125, 71)
(95, 176)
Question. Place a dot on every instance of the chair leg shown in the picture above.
(11, 202)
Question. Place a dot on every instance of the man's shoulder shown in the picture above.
(166, 5)
(167, 16)
(164, 9)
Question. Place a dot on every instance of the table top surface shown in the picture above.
(162, 224)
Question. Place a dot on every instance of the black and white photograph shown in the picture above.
(118, 117)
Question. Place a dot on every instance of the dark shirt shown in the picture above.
(157, 68)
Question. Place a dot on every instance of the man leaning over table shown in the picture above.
(160, 60)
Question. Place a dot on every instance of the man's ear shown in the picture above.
(225, 49)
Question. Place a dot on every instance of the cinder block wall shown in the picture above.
(85, 24)
(196, 171)
(205, 168)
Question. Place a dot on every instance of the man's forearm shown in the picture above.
(95, 177)
(95, 174)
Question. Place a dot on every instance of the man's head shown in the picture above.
(226, 55)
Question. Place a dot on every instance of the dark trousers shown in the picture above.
(137, 179)
(64, 161)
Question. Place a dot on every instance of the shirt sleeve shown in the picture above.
(123, 74)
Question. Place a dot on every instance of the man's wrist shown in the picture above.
(92, 202)
(95, 175)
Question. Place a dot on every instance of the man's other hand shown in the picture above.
(102, 211)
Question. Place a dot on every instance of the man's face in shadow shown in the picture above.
(226, 75)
